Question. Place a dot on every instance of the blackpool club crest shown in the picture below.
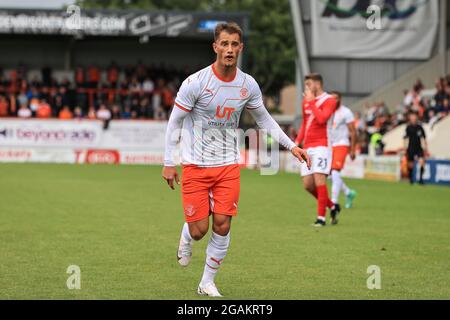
(189, 210)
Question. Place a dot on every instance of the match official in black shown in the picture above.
(416, 146)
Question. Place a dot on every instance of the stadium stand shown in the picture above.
(131, 91)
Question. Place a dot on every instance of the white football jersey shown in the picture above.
(339, 132)
(209, 136)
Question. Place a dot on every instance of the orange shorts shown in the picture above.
(206, 190)
(339, 155)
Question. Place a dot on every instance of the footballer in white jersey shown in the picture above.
(343, 139)
(207, 111)
(214, 104)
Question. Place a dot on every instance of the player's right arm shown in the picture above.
(184, 103)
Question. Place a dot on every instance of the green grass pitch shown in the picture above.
(121, 225)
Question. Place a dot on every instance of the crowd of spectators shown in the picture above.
(117, 92)
(377, 119)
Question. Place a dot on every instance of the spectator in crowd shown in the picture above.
(146, 110)
(44, 110)
(126, 114)
(440, 94)
(24, 112)
(65, 113)
(113, 75)
(103, 113)
(12, 103)
(46, 73)
(376, 144)
(78, 113)
(148, 86)
(22, 98)
(80, 77)
(433, 118)
(92, 114)
(4, 107)
(93, 76)
(116, 112)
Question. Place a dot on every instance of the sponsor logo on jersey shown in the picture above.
(224, 112)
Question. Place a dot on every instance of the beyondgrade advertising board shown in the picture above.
(81, 134)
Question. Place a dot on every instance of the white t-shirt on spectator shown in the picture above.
(156, 101)
(24, 113)
(148, 86)
(104, 114)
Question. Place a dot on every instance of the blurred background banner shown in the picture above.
(436, 172)
(393, 29)
(112, 22)
(82, 141)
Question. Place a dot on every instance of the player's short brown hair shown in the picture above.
(314, 77)
(229, 27)
(337, 93)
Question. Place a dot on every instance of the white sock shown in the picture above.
(336, 185)
(215, 253)
(345, 188)
(185, 233)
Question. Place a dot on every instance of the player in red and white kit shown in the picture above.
(207, 111)
(314, 135)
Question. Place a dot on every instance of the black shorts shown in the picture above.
(414, 154)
